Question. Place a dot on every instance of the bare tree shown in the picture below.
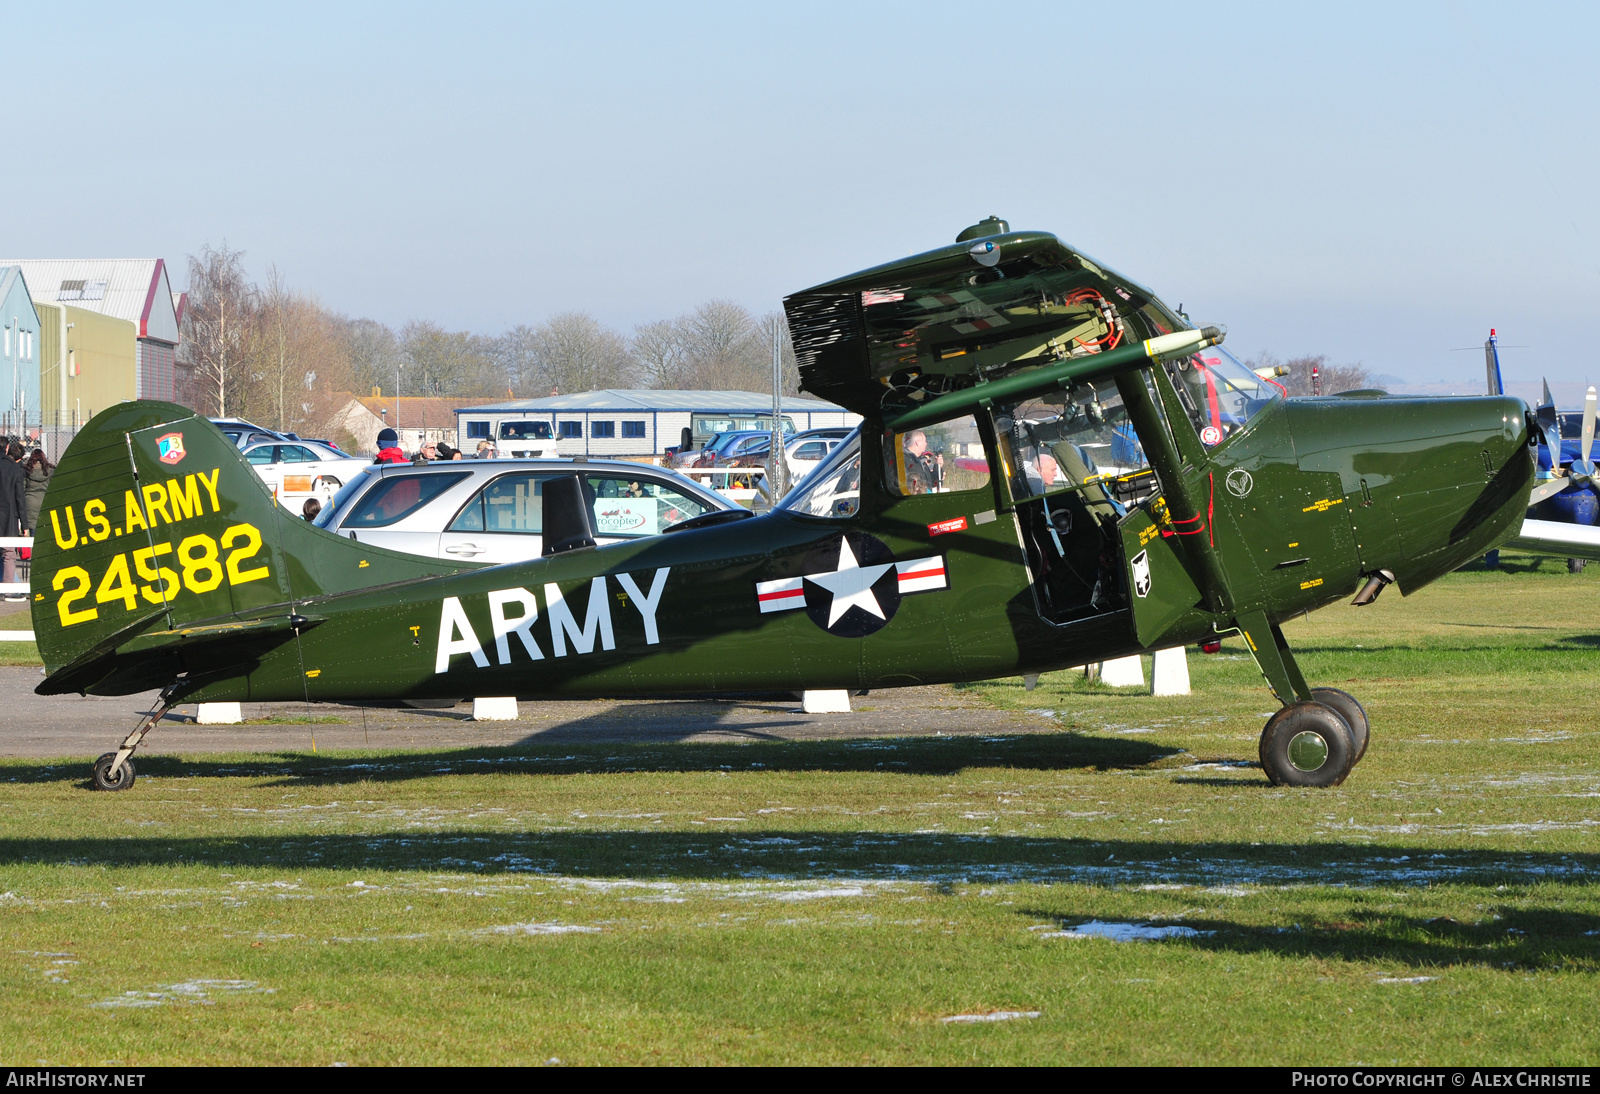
(373, 351)
(1333, 378)
(218, 327)
(660, 353)
(516, 358)
(575, 353)
(441, 362)
(724, 344)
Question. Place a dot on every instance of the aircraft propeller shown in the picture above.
(1582, 471)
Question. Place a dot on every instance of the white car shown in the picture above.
(297, 470)
(808, 450)
(527, 441)
(493, 510)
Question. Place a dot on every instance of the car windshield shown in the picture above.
(522, 431)
(338, 502)
(1220, 393)
(834, 488)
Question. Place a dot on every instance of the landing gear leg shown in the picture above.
(114, 770)
(1314, 740)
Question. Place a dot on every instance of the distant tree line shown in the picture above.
(278, 357)
(1334, 378)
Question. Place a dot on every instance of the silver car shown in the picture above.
(490, 510)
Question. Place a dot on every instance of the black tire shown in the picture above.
(1354, 715)
(1575, 565)
(101, 773)
(1307, 744)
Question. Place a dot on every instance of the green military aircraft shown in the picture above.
(1054, 468)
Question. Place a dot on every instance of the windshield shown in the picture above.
(1065, 441)
(834, 488)
(522, 431)
(1219, 393)
(338, 502)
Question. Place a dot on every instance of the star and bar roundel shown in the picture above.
(851, 586)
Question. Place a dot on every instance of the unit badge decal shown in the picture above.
(1239, 482)
(1141, 573)
(170, 447)
(852, 586)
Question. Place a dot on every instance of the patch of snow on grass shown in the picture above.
(992, 1016)
(539, 928)
(185, 991)
(819, 894)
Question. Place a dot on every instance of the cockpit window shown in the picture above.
(833, 489)
(1220, 394)
(938, 459)
(1071, 441)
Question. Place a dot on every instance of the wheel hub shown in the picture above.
(1308, 751)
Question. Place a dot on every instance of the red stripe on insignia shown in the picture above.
(785, 593)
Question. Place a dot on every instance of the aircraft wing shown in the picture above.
(941, 320)
(1558, 538)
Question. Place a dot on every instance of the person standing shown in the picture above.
(38, 470)
(389, 447)
(13, 513)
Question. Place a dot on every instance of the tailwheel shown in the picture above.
(1353, 714)
(1307, 744)
(104, 780)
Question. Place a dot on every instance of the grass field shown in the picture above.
(837, 902)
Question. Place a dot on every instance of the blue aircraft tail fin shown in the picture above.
(1491, 354)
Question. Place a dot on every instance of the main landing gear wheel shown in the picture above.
(102, 777)
(1352, 713)
(1307, 744)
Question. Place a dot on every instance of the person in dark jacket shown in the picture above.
(38, 469)
(13, 513)
(389, 448)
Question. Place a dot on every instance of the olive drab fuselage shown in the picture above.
(162, 561)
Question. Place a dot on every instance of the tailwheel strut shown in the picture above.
(114, 770)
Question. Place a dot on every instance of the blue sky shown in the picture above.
(1380, 182)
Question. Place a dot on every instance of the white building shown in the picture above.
(643, 422)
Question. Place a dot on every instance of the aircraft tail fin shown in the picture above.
(160, 549)
(1491, 355)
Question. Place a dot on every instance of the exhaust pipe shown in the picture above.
(1369, 592)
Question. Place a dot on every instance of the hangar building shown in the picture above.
(19, 353)
(643, 422)
(133, 290)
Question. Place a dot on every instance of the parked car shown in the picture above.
(725, 447)
(808, 449)
(491, 510)
(243, 433)
(297, 470)
(533, 440)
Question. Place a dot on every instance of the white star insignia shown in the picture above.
(851, 585)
